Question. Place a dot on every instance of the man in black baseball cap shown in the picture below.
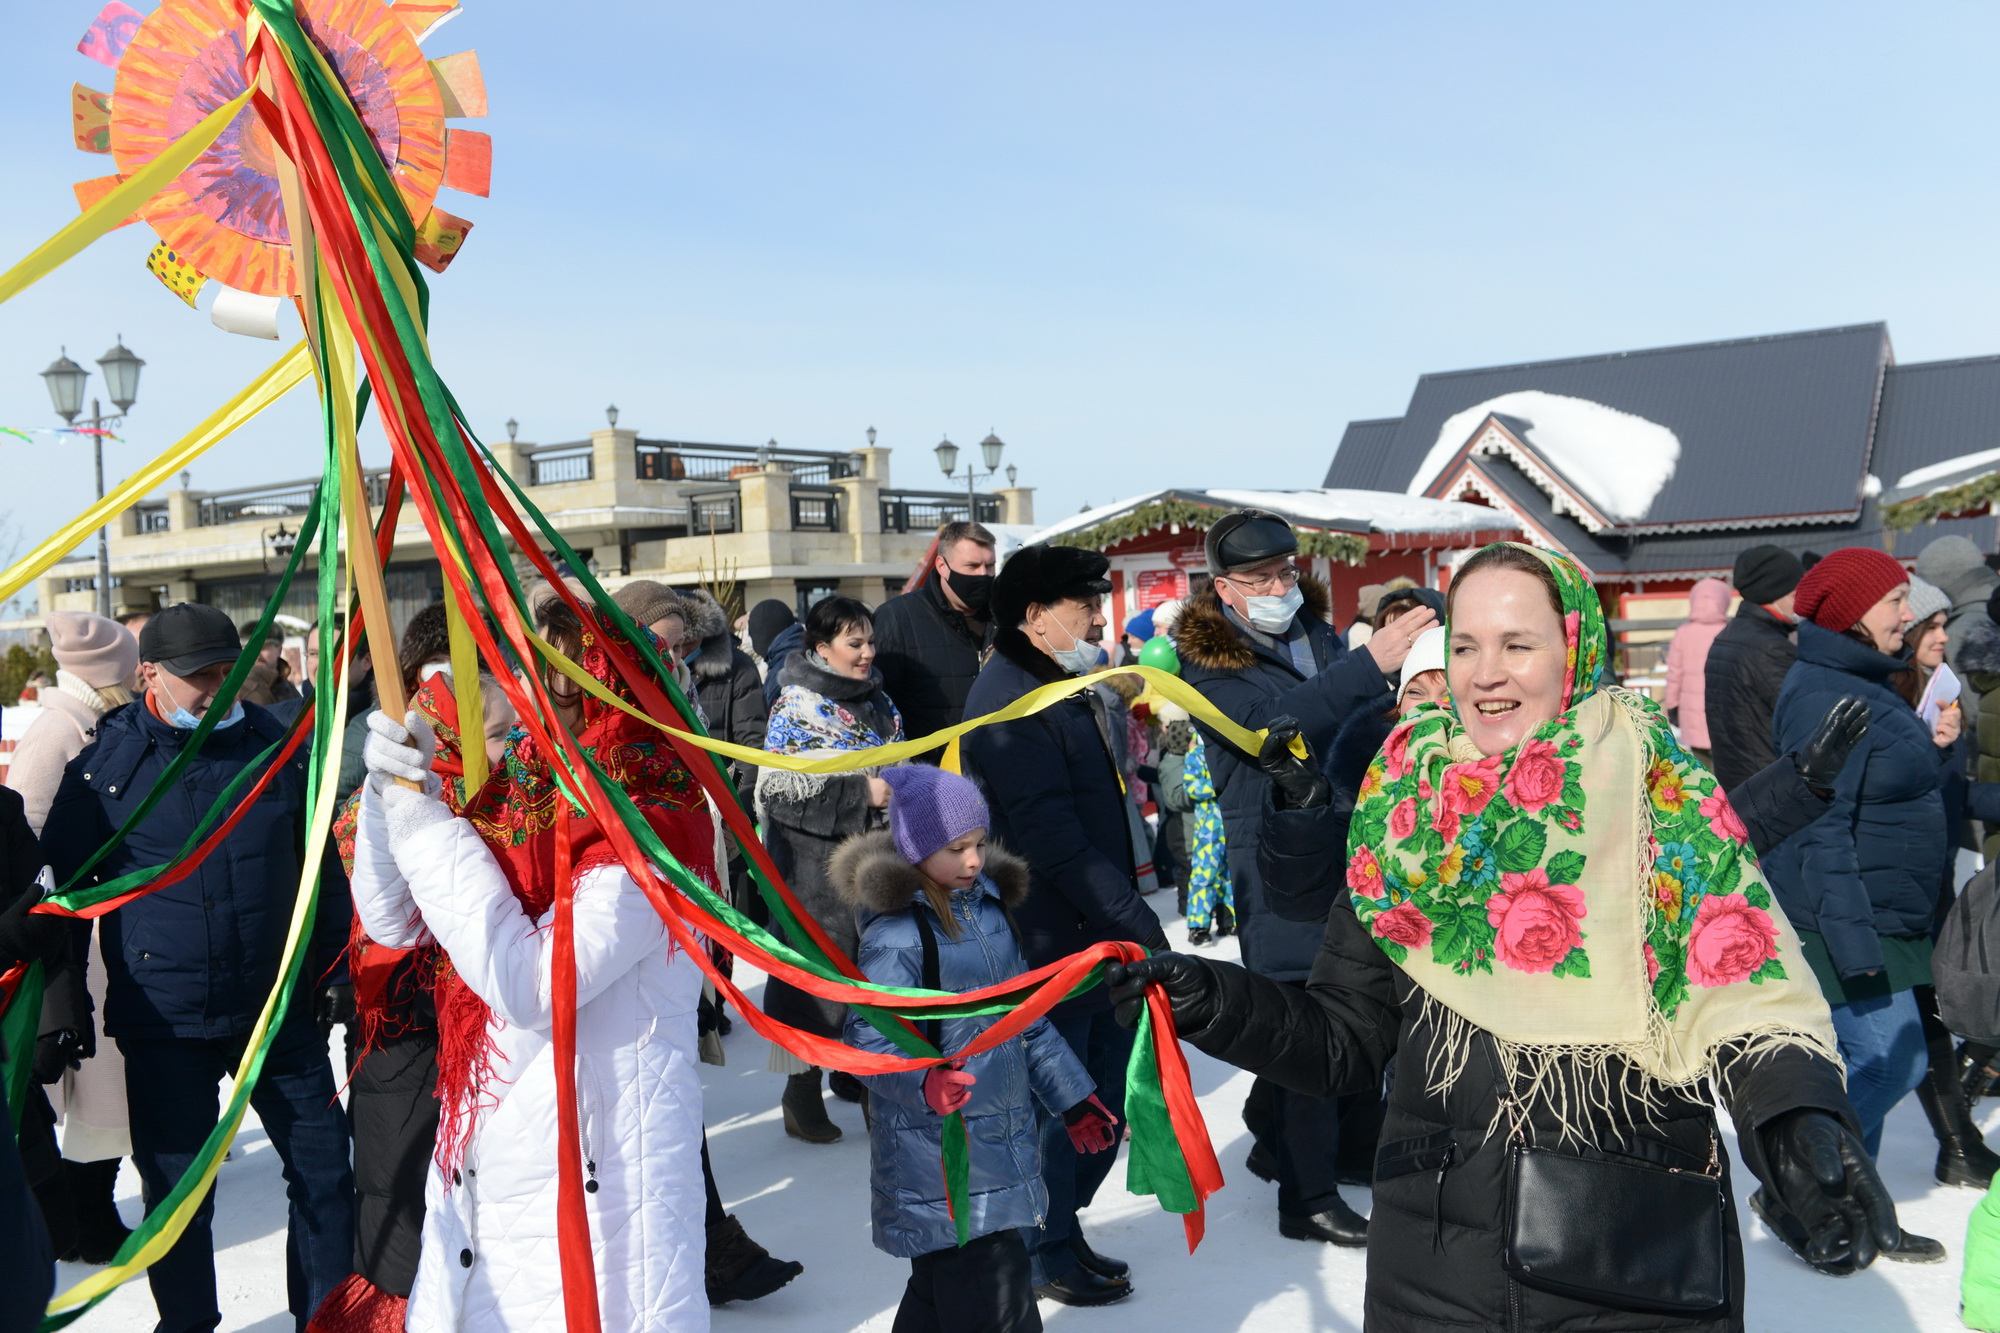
(185, 653)
(187, 969)
(1748, 661)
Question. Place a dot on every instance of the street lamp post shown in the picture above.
(989, 450)
(66, 379)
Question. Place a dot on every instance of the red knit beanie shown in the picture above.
(1837, 592)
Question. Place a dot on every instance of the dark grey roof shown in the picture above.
(1935, 411)
(1365, 449)
(1769, 426)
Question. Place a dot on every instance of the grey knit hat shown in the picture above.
(1926, 599)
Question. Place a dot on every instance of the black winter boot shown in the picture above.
(93, 1193)
(739, 1269)
(805, 1110)
(1963, 1157)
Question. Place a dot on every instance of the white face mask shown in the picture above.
(1274, 615)
(1080, 658)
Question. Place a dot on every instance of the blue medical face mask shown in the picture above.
(181, 719)
(1081, 657)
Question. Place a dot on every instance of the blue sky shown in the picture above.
(1149, 244)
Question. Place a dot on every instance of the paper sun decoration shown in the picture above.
(223, 219)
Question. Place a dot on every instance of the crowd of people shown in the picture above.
(1509, 932)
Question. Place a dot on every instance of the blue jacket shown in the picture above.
(1874, 863)
(197, 958)
(1252, 683)
(788, 641)
(906, 1180)
(1056, 800)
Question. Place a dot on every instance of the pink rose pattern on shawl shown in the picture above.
(1477, 861)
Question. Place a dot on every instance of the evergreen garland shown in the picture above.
(1350, 548)
(1974, 494)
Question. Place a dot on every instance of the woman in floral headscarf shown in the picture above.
(482, 886)
(1558, 928)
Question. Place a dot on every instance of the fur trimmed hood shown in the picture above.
(707, 620)
(1979, 654)
(1204, 636)
(869, 873)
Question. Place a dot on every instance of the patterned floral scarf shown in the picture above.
(1588, 894)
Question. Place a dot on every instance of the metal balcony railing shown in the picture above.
(815, 511)
(284, 499)
(553, 464)
(151, 517)
(925, 511)
(717, 511)
(678, 460)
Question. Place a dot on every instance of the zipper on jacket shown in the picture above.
(586, 1089)
(1016, 1049)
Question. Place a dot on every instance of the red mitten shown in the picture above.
(946, 1090)
(1092, 1128)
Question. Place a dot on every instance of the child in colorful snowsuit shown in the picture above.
(1211, 900)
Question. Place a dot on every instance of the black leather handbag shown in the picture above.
(1617, 1232)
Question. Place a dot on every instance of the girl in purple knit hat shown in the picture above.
(931, 897)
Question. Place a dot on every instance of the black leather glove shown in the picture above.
(334, 1006)
(1825, 1179)
(1674, 716)
(57, 1051)
(1189, 982)
(1825, 751)
(1296, 784)
(24, 938)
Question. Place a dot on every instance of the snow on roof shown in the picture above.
(1924, 476)
(1617, 460)
(1384, 511)
(1090, 518)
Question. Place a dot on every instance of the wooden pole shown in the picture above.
(367, 570)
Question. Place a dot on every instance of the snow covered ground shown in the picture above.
(811, 1204)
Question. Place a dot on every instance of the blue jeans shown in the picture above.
(1073, 1177)
(172, 1084)
(1882, 1041)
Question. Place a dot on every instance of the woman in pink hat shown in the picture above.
(96, 660)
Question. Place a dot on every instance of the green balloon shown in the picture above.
(1159, 653)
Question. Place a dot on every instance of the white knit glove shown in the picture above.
(400, 751)
(406, 813)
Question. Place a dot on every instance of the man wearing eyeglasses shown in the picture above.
(1259, 645)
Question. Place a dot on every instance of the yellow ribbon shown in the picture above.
(120, 203)
(846, 761)
(259, 394)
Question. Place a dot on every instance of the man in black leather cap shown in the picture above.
(1259, 644)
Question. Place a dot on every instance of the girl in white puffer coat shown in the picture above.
(489, 1257)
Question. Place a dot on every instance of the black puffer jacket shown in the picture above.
(1435, 1235)
(1252, 682)
(1746, 668)
(929, 655)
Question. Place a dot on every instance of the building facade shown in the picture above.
(763, 521)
